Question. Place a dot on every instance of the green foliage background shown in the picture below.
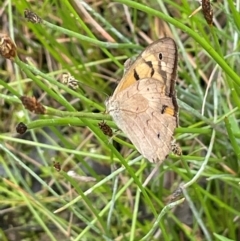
(91, 40)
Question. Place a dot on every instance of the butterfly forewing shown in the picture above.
(158, 60)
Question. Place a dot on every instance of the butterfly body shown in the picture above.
(144, 105)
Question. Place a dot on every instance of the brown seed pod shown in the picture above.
(32, 17)
(106, 129)
(57, 166)
(21, 128)
(7, 47)
(31, 104)
(69, 80)
(207, 11)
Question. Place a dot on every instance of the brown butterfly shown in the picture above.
(144, 103)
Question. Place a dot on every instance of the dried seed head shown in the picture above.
(106, 129)
(7, 48)
(31, 104)
(176, 195)
(57, 166)
(176, 149)
(32, 17)
(21, 128)
(207, 11)
(69, 80)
